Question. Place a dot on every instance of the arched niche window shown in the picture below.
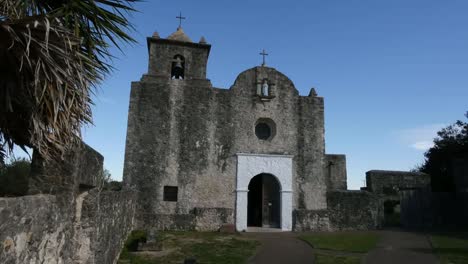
(263, 88)
(178, 67)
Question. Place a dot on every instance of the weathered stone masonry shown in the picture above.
(187, 134)
(68, 218)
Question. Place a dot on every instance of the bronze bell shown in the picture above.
(178, 64)
(178, 69)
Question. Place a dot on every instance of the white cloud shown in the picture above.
(422, 145)
(420, 138)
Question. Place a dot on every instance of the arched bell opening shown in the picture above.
(178, 67)
(264, 201)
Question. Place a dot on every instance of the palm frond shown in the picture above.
(53, 54)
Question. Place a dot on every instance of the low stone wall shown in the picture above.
(68, 218)
(81, 167)
(390, 182)
(88, 228)
(174, 222)
(311, 220)
(354, 210)
(107, 218)
(200, 219)
(35, 229)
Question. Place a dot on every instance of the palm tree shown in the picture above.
(53, 54)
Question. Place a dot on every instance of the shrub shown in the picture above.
(134, 238)
(113, 186)
(14, 177)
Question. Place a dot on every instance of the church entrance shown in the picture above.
(263, 202)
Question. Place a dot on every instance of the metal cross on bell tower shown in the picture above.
(180, 17)
(263, 53)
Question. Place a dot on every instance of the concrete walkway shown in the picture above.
(394, 247)
(281, 248)
(401, 247)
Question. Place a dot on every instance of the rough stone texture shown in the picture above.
(107, 218)
(404, 188)
(195, 54)
(89, 228)
(335, 169)
(354, 210)
(311, 220)
(212, 219)
(186, 133)
(81, 167)
(35, 229)
(73, 222)
(390, 182)
(178, 222)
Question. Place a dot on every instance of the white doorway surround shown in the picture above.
(250, 165)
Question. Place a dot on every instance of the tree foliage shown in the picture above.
(451, 143)
(53, 54)
(14, 177)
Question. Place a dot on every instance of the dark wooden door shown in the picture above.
(263, 201)
(254, 202)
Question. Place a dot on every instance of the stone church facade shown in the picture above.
(201, 157)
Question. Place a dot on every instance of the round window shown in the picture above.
(265, 129)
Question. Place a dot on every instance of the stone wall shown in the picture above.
(107, 217)
(71, 219)
(44, 228)
(81, 167)
(411, 190)
(211, 219)
(311, 220)
(354, 210)
(390, 182)
(335, 169)
(200, 219)
(35, 229)
(347, 210)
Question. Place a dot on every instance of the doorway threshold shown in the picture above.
(256, 229)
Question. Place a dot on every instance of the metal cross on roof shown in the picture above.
(180, 17)
(263, 53)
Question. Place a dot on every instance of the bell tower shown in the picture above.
(177, 56)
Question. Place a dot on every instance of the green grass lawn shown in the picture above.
(341, 247)
(451, 249)
(343, 241)
(205, 247)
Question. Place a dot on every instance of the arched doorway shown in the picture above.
(264, 201)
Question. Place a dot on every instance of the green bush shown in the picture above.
(134, 238)
(113, 186)
(14, 177)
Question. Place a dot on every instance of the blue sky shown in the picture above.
(392, 72)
